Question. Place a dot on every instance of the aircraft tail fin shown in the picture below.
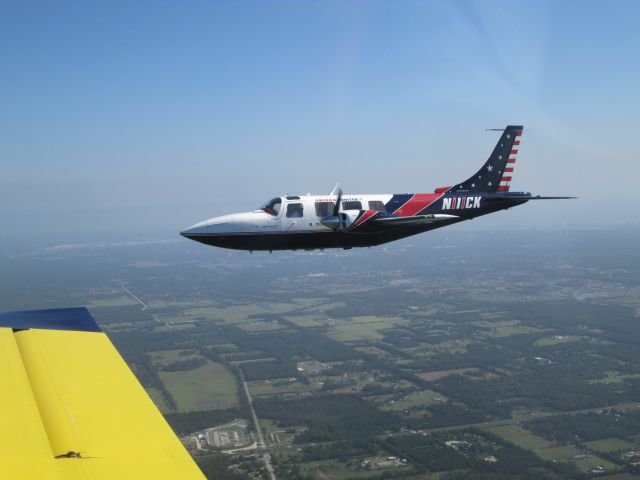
(495, 175)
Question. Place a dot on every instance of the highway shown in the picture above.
(266, 456)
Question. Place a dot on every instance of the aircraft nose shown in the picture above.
(187, 232)
(217, 225)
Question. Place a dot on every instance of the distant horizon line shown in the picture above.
(134, 241)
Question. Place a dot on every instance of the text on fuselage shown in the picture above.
(457, 203)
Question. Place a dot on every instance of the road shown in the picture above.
(135, 297)
(266, 456)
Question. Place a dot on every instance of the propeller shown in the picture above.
(336, 207)
(333, 221)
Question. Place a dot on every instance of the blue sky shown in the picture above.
(130, 119)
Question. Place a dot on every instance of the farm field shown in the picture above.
(206, 387)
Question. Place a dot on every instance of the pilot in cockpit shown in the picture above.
(272, 207)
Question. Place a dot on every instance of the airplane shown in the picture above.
(310, 222)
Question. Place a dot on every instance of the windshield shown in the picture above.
(272, 207)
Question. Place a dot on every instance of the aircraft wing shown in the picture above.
(72, 408)
(414, 220)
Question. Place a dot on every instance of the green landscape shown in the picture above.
(413, 364)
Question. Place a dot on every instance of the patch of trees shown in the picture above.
(531, 474)
(328, 386)
(184, 365)
(618, 326)
(134, 342)
(377, 389)
(291, 345)
(586, 426)
(400, 338)
(340, 369)
(626, 354)
(342, 451)
(458, 325)
(429, 453)
(225, 349)
(617, 322)
(122, 314)
(479, 354)
(268, 369)
(450, 414)
(394, 300)
(286, 348)
(327, 417)
(288, 471)
(552, 388)
(243, 356)
(393, 350)
(218, 466)
(147, 375)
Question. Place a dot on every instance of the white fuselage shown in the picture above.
(295, 213)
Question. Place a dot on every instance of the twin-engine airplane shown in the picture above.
(311, 222)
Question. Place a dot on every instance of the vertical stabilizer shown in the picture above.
(496, 173)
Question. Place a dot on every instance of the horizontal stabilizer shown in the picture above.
(523, 196)
(538, 197)
(415, 220)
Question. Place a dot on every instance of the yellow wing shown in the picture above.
(72, 409)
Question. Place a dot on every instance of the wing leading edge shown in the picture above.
(74, 409)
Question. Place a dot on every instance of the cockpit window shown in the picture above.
(272, 207)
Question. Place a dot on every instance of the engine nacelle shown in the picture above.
(344, 219)
(348, 217)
